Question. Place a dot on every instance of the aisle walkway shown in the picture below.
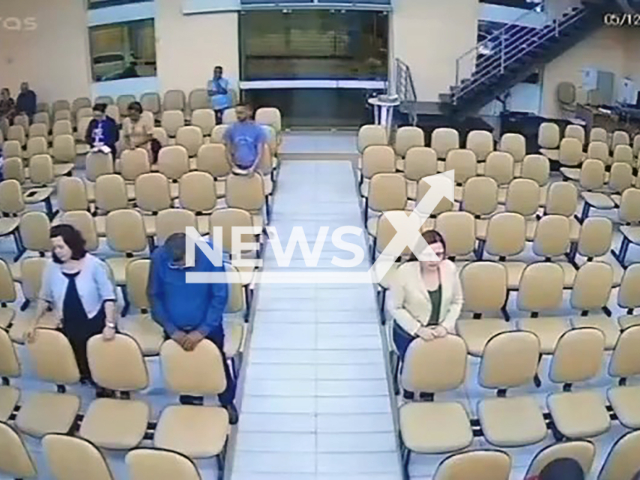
(316, 401)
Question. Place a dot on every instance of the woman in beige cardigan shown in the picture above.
(426, 296)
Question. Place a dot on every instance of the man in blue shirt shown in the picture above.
(245, 141)
(190, 312)
(26, 101)
(218, 89)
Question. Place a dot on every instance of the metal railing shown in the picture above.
(405, 89)
(506, 46)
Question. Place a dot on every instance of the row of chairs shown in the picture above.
(550, 136)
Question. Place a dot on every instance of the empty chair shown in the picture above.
(153, 464)
(84, 112)
(212, 159)
(125, 231)
(173, 220)
(515, 145)
(629, 215)
(113, 111)
(540, 292)
(625, 363)
(72, 458)
(12, 149)
(596, 235)
(108, 100)
(506, 237)
(174, 100)
(485, 290)
(458, 230)
(375, 159)
(63, 153)
(481, 143)
(577, 358)
(575, 131)
(420, 162)
(465, 166)
(636, 145)
(622, 460)
(480, 198)
(54, 362)
(229, 116)
(443, 140)
(500, 167)
(269, 116)
(111, 195)
(79, 103)
(406, 138)
(218, 133)
(153, 193)
(629, 296)
(592, 178)
(599, 151)
(205, 120)
(624, 154)
(478, 464)
(619, 137)
(13, 169)
(247, 193)
(39, 130)
(570, 155)
(549, 140)
(11, 205)
(98, 164)
(190, 138)
(62, 115)
(387, 191)
(31, 270)
(117, 365)
(9, 368)
(62, 105)
(172, 121)
(134, 163)
(34, 231)
(599, 135)
(198, 193)
(62, 127)
(199, 99)
(552, 242)
(123, 102)
(15, 459)
(42, 118)
(173, 162)
(151, 102)
(369, 135)
(562, 199)
(37, 146)
(582, 451)
(17, 133)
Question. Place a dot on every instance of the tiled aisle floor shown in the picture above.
(316, 401)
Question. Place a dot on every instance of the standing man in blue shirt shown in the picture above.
(26, 101)
(190, 312)
(245, 141)
(218, 89)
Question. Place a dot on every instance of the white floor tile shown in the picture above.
(277, 422)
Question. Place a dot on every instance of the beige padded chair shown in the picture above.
(173, 220)
(510, 360)
(61, 127)
(622, 461)
(537, 168)
(105, 99)
(476, 464)
(575, 131)
(419, 162)
(596, 236)
(458, 230)
(500, 167)
(552, 243)
(506, 237)
(523, 198)
(227, 219)
(195, 431)
(151, 102)
(113, 111)
(62, 116)
(370, 135)
(406, 138)
(174, 100)
(218, 132)
(86, 225)
(485, 292)
(577, 358)
(21, 120)
(434, 427)
(599, 135)
(110, 195)
(12, 149)
(98, 164)
(481, 143)
(133, 163)
(53, 361)
(247, 193)
(199, 99)
(172, 121)
(63, 153)
(84, 112)
(624, 154)
(625, 363)
(11, 206)
(153, 194)
(198, 195)
(629, 296)
(515, 145)
(619, 137)
(9, 368)
(465, 166)
(13, 169)
(592, 179)
(620, 179)
(82, 148)
(205, 120)
(636, 145)
(540, 291)
(480, 198)
(7, 295)
(41, 118)
(39, 130)
(445, 205)
(117, 365)
(173, 162)
(570, 156)
(80, 102)
(375, 159)
(37, 146)
(125, 231)
(443, 140)
(190, 138)
(387, 191)
(549, 140)
(153, 464)
(269, 116)
(15, 459)
(62, 105)
(17, 133)
(72, 458)
(629, 216)
(123, 102)
(385, 232)
(212, 159)
(581, 451)
(229, 116)
(158, 133)
(34, 230)
(562, 199)
(41, 172)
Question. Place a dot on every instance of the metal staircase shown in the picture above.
(511, 54)
(406, 91)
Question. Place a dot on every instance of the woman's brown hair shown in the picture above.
(431, 237)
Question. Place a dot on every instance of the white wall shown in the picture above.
(429, 35)
(54, 57)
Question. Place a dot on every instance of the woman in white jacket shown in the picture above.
(426, 296)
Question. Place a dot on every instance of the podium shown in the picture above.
(383, 106)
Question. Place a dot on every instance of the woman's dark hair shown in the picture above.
(72, 239)
(431, 237)
(562, 469)
(135, 106)
(100, 107)
(6, 90)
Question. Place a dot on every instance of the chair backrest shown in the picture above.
(12, 148)
(629, 292)
(62, 115)
(113, 111)
(125, 231)
(541, 287)
(515, 145)
(481, 143)
(18, 134)
(599, 151)
(620, 137)
(370, 135)
(80, 102)
(205, 120)
(548, 135)
(218, 133)
(111, 193)
(476, 465)
(444, 205)
(39, 130)
(172, 121)
(134, 163)
(386, 231)
(246, 192)
(420, 162)
(15, 459)
(581, 451)
(84, 112)
(98, 163)
(198, 192)
(137, 275)
(624, 154)
(523, 197)
(562, 199)
(629, 211)
(570, 152)
(506, 235)
(150, 102)
(62, 105)
(575, 131)
(226, 220)
(173, 161)
(599, 134)
(173, 220)
(72, 194)
(34, 230)
(154, 464)
(62, 127)
(596, 234)
(387, 191)
(22, 120)
(117, 364)
(484, 285)
(64, 149)
(123, 102)
(509, 360)
(41, 170)
(480, 196)
(212, 158)
(464, 164)
(552, 237)
(152, 192)
(198, 99)
(625, 359)
(52, 358)
(73, 458)
(592, 286)
(636, 145)
(107, 99)
(11, 200)
(198, 372)
(85, 224)
(443, 140)
(190, 138)
(37, 146)
(9, 363)
(42, 118)
(174, 100)
(32, 270)
(592, 175)
(407, 138)
(620, 177)
(622, 461)
(500, 167)
(458, 230)
(81, 129)
(229, 116)
(13, 169)
(578, 356)
(378, 159)
(450, 350)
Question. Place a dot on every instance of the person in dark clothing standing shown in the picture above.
(7, 105)
(77, 286)
(190, 312)
(102, 130)
(27, 101)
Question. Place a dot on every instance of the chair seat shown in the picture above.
(625, 402)
(599, 201)
(626, 321)
(195, 431)
(37, 195)
(131, 192)
(429, 427)
(9, 397)
(550, 154)
(544, 192)
(548, 329)
(569, 273)
(458, 193)
(233, 336)
(90, 188)
(62, 169)
(517, 169)
(118, 266)
(502, 195)
(8, 225)
(482, 225)
(7, 314)
(203, 224)
(174, 190)
(570, 173)
(147, 333)
(150, 225)
(579, 414)
(412, 190)
(220, 188)
(607, 325)
(23, 322)
(400, 164)
(477, 332)
(82, 149)
(574, 230)
(632, 233)
(247, 273)
(372, 225)
(480, 169)
(48, 412)
(115, 424)
(512, 422)
(530, 227)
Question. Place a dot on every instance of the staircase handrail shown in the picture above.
(405, 88)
